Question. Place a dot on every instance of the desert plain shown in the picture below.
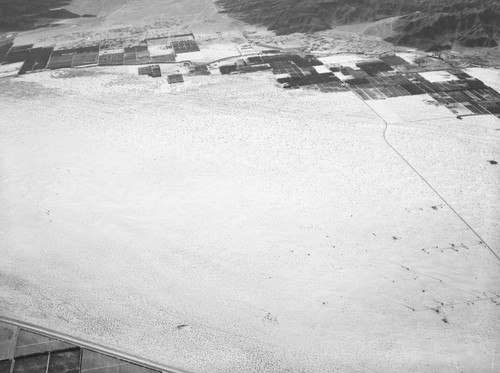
(228, 225)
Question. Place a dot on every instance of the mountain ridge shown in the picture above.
(425, 24)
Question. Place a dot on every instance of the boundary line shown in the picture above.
(429, 184)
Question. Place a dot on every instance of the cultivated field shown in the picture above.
(229, 225)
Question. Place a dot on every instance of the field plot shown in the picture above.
(185, 46)
(130, 57)
(111, 59)
(199, 70)
(81, 56)
(82, 59)
(492, 107)
(136, 55)
(153, 71)
(394, 60)
(488, 76)
(376, 80)
(22, 350)
(137, 49)
(175, 78)
(86, 56)
(374, 68)
(293, 72)
(60, 61)
(4, 49)
(227, 69)
(38, 59)
(61, 58)
(266, 230)
(163, 58)
(18, 54)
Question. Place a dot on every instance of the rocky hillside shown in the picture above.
(423, 23)
(470, 28)
(26, 14)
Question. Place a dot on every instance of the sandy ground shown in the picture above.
(10, 70)
(132, 21)
(344, 59)
(438, 76)
(278, 227)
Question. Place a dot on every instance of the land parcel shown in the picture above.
(160, 50)
(111, 57)
(136, 55)
(4, 49)
(61, 59)
(86, 56)
(38, 59)
(18, 53)
(64, 58)
(183, 43)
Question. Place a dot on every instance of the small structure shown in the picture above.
(175, 78)
(152, 71)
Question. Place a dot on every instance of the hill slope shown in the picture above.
(470, 28)
(27, 14)
(423, 23)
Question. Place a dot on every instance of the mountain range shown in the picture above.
(425, 24)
